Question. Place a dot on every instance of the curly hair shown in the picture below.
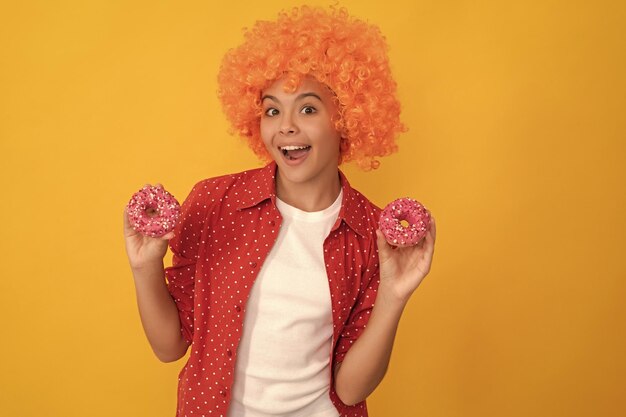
(346, 54)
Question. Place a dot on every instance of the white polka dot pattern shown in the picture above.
(228, 226)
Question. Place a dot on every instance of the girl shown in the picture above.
(281, 286)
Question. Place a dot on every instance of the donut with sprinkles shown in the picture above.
(413, 213)
(153, 211)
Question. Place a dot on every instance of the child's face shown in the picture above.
(298, 132)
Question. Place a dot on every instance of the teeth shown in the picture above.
(292, 147)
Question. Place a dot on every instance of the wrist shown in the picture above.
(390, 299)
(148, 268)
(389, 305)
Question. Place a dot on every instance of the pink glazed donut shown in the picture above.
(153, 211)
(404, 209)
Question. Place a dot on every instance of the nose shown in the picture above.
(287, 125)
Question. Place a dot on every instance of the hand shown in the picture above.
(402, 269)
(144, 250)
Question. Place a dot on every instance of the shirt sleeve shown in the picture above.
(360, 314)
(185, 248)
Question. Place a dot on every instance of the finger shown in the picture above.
(430, 242)
(433, 228)
(126, 222)
(429, 238)
(168, 236)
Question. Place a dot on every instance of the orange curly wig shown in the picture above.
(346, 54)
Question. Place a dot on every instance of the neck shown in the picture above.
(315, 196)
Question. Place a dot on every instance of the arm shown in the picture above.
(157, 309)
(158, 312)
(401, 272)
(365, 364)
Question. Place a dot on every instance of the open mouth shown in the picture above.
(292, 152)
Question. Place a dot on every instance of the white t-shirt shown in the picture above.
(283, 359)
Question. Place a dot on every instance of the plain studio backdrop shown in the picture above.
(516, 143)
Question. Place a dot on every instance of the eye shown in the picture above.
(271, 112)
(308, 110)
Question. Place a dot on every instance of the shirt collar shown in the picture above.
(260, 186)
(352, 210)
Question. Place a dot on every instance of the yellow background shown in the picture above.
(516, 144)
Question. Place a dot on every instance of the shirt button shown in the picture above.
(253, 264)
(272, 222)
(238, 308)
(223, 393)
(229, 352)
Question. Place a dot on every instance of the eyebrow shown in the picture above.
(300, 97)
